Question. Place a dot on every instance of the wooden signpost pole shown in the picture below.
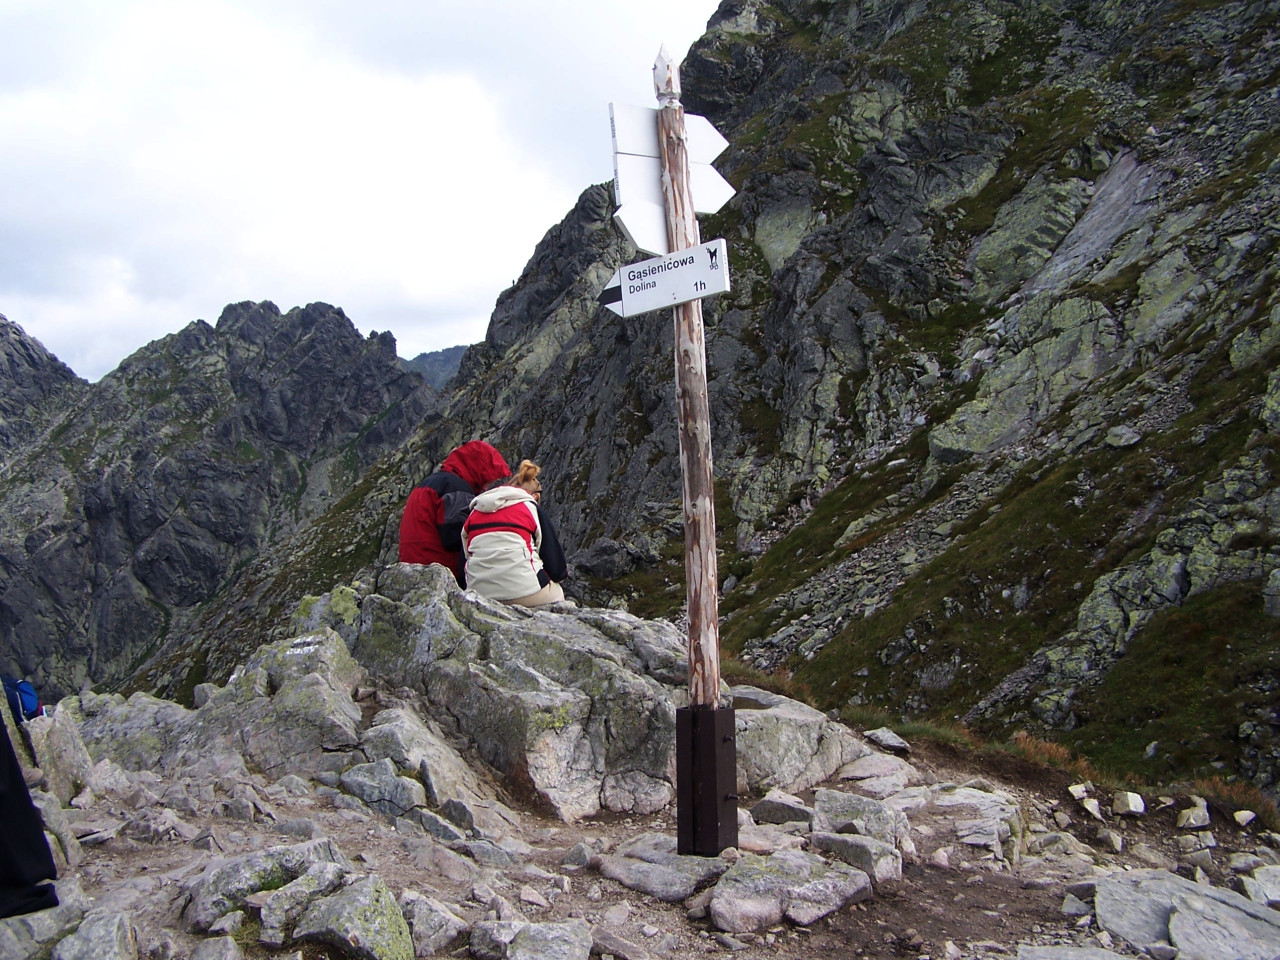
(706, 758)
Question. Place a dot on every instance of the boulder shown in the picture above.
(778, 806)
(225, 885)
(363, 921)
(649, 864)
(569, 704)
(757, 892)
(1202, 922)
(282, 712)
(280, 909)
(878, 860)
(102, 935)
(378, 785)
(788, 745)
(520, 940)
(61, 753)
(33, 935)
(433, 925)
(849, 813)
(419, 749)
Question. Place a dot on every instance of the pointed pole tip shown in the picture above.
(666, 77)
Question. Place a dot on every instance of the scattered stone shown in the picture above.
(1196, 816)
(618, 914)
(778, 806)
(607, 943)
(232, 922)
(433, 925)
(1111, 839)
(1126, 804)
(218, 948)
(579, 855)
(886, 739)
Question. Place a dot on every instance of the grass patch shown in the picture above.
(1017, 571)
(736, 673)
(1203, 672)
(1229, 796)
(806, 550)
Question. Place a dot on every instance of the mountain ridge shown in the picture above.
(994, 400)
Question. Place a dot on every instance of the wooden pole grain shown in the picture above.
(701, 574)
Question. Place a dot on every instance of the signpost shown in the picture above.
(706, 748)
(665, 281)
(637, 173)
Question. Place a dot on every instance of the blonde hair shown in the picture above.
(527, 474)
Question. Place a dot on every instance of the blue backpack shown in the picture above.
(22, 697)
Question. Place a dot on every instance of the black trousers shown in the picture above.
(25, 860)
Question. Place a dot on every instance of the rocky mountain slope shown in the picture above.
(439, 366)
(34, 385)
(994, 399)
(139, 498)
(994, 402)
(349, 794)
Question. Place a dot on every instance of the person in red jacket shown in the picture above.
(431, 525)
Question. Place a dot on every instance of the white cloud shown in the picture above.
(397, 159)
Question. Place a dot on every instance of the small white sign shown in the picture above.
(645, 225)
(637, 173)
(640, 179)
(679, 277)
(635, 131)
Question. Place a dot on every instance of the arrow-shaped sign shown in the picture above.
(637, 171)
(635, 131)
(664, 281)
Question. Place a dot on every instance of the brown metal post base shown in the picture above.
(706, 781)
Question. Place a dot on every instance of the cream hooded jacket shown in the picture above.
(500, 541)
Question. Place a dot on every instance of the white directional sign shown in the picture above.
(637, 173)
(678, 277)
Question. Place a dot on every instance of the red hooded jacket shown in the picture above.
(431, 526)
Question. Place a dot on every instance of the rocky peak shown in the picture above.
(196, 455)
(35, 385)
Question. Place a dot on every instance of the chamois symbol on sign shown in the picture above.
(715, 257)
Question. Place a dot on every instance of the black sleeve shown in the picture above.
(551, 553)
(454, 508)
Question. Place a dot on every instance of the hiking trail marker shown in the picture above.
(637, 173)
(659, 163)
(668, 280)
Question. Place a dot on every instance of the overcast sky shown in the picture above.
(397, 158)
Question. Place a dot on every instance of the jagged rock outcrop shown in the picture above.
(278, 858)
(35, 385)
(572, 705)
(199, 453)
